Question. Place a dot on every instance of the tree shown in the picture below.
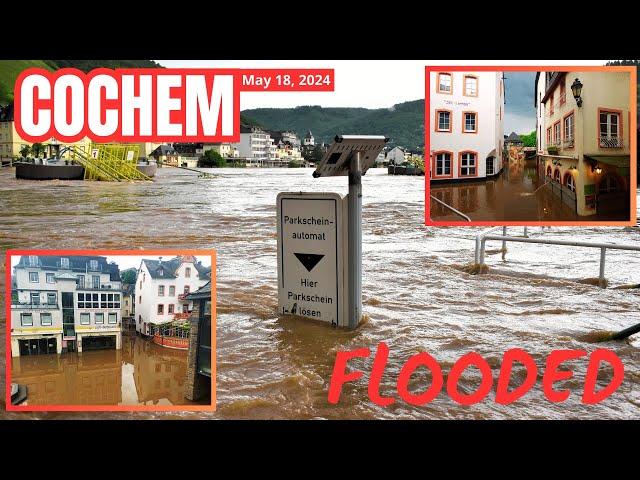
(211, 158)
(37, 149)
(25, 151)
(128, 276)
(529, 140)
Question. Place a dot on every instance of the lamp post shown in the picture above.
(576, 88)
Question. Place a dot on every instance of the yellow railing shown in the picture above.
(108, 162)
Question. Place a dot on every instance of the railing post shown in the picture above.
(504, 242)
(526, 232)
(482, 246)
(477, 257)
(603, 252)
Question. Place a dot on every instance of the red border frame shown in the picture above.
(535, 68)
(109, 408)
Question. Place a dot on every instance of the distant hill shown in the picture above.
(403, 123)
(10, 69)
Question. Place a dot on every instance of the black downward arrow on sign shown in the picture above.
(309, 260)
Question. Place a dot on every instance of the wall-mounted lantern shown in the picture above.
(576, 88)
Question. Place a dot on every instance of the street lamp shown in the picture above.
(576, 88)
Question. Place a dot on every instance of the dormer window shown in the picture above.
(64, 262)
(33, 260)
(160, 272)
(187, 272)
(93, 264)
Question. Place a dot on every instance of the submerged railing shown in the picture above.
(482, 239)
(457, 212)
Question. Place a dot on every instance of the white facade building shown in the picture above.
(308, 140)
(161, 286)
(64, 304)
(256, 146)
(397, 156)
(466, 113)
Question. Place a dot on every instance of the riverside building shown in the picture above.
(61, 304)
(466, 112)
(162, 287)
(583, 125)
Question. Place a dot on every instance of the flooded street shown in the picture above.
(142, 373)
(417, 294)
(516, 195)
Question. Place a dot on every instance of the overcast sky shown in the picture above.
(128, 261)
(383, 83)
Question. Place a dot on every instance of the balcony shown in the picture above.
(34, 306)
(611, 142)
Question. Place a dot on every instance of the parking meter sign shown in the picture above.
(310, 256)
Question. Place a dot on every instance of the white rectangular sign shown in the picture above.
(311, 256)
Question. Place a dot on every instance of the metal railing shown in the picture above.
(34, 306)
(457, 212)
(486, 236)
(611, 142)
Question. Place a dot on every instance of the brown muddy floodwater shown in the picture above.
(141, 373)
(418, 295)
(517, 195)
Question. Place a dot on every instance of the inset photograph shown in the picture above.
(111, 330)
(531, 145)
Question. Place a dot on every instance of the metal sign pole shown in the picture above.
(355, 240)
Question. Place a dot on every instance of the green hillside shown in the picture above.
(10, 69)
(403, 123)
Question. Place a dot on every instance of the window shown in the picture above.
(33, 260)
(442, 164)
(99, 319)
(470, 124)
(35, 298)
(95, 281)
(610, 130)
(171, 307)
(160, 309)
(468, 164)
(64, 262)
(161, 290)
(51, 278)
(80, 281)
(139, 298)
(81, 300)
(490, 165)
(51, 298)
(445, 82)
(187, 272)
(172, 291)
(569, 182)
(609, 184)
(549, 136)
(443, 121)
(140, 284)
(116, 300)
(45, 320)
(563, 93)
(187, 289)
(470, 86)
(549, 171)
(33, 277)
(569, 127)
(93, 264)
(556, 133)
(26, 319)
(85, 318)
(556, 175)
(551, 105)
